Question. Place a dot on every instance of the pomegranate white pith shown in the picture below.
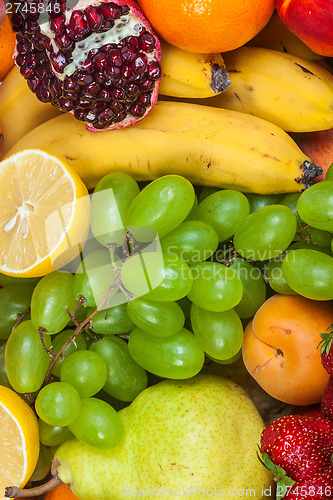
(97, 59)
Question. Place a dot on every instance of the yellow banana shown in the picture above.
(294, 93)
(190, 75)
(209, 146)
(20, 110)
(276, 36)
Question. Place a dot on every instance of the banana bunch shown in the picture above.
(277, 36)
(209, 146)
(190, 75)
(20, 110)
(294, 93)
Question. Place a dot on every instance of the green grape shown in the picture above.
(304, 244)
(58, 404)
(162, 206)
(290, 200)
(14, 300)
(254, 288)
(52, 295)
(329, 173)
(113, 321)
(266, 233)
(207, 191)
(220, 334)
(44, 463)
(148, 274)
(225, 211)
(160, 319)
(51, 435)
(112, 196)
(98, 424)
(126, 379)
(315, 206)
(26, 360)
(185, 304)
(86, 371)
(258, 201)
(276, 279)
(11, 280)
(3, 374)
(176, 357)
(115, 403)
(194, 207)
(321, 238)
(93, 277)
(193, 241)
(80, 315)
(215, 287)
(309, 273)
(228, 361)
(59, 340)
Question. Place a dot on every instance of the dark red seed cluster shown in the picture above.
(112, 82)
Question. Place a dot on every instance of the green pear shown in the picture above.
(191, 437)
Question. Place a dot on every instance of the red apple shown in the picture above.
(311, 21)
(318, 146)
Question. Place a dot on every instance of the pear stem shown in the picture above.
(15, 492)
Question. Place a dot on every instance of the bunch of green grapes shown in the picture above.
(167, 279)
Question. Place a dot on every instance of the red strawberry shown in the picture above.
(326, 351)
(327, 400)
(319, 487)
(302, 446)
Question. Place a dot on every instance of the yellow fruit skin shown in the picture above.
(294, 93)
(29, 425)
(208, 146)
(210, 431)
(276, 36)
(190, 75)
(74, 239)
(20, 110)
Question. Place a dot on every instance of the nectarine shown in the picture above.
(280, 348)
(311, 21)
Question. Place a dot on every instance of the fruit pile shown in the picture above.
(166, 251)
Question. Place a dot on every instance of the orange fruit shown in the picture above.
(62, 492)
(7, 45)
(19, 440)
(44, 214)
(280, 348)
(207, 26)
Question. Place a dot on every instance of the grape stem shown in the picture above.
(80, 326)
(20, 317)
(15, 492)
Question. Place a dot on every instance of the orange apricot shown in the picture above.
(280, 348)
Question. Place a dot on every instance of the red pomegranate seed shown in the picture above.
(78, 25)
(127, 73)
(114, 57)
(133, 41)
(105, 95)
(83, 78)
(40, 72)
(128, 54)
(110, 11)
(83, 103)
(87, 66)
(137, 110)
(33, 83)
(66, 105)
(20, 59)
(18, 22)
(79, 114)
(64, 42)
(147, 42)
(94, 17)
(107, 114)
(58, 61)
(154, 71)
(58, 24)
(93, 88)
(144, 99)
(99, 61)
(31, 60)
(147, 85)
(43, 94)
(117, 106)
(70, 85)
(118, 94)
(114, 72)
(139, 64)
(26, 72)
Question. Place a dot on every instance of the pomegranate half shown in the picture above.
(97, 59)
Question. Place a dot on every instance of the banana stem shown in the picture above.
(15, 492)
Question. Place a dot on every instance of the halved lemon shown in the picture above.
(44, 214)
(19, 440)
